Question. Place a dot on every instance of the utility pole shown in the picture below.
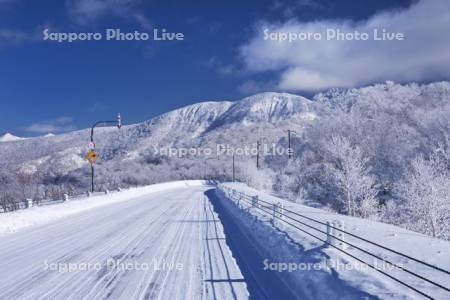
(289, 142)
(92, 156)
(92, 177)
(258, 143)
(234, 173)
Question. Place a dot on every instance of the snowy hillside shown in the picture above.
(8, 137)
(266, 107)
(186, 125)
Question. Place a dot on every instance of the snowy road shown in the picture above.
(165, 245)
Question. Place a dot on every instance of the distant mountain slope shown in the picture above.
(188, 125)
(265, 107)
(8, 137)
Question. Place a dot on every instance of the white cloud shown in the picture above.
(142, 20)
(223, 69)
(289, 8)
(313, 80)
(250, 87)
(88, 11)
(61, 124)
(97, 106)
(316, 65)
(12, 36)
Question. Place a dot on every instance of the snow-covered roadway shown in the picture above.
(165, 245)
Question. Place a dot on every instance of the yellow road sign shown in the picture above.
(91, 156)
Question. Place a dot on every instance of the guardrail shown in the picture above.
(335, 237)
(29, 203)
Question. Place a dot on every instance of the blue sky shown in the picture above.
(46, 86)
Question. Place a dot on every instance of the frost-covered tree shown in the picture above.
(352, 174)
(426, 194)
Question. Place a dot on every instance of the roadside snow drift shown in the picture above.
(13, 221)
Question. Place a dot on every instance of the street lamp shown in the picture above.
(92, 156)
(117, 123)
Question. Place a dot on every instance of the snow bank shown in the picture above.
(13, 221)
(285, 244)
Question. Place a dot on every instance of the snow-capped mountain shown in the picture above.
(190, 125)
(8, 137)
(265, 107)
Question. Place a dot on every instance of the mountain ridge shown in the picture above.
(265, 115)
(184, 125)
(8, 137)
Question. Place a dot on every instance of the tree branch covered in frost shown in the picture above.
(352, 175)
(425, 191)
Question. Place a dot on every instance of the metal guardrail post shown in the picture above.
(280, 210)
(255, 201)
(277, 211)
(330, 232)
(339, 234)
(29, 203)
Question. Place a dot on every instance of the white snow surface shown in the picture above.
(8, 137)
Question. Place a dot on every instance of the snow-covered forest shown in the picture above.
(379, 152)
